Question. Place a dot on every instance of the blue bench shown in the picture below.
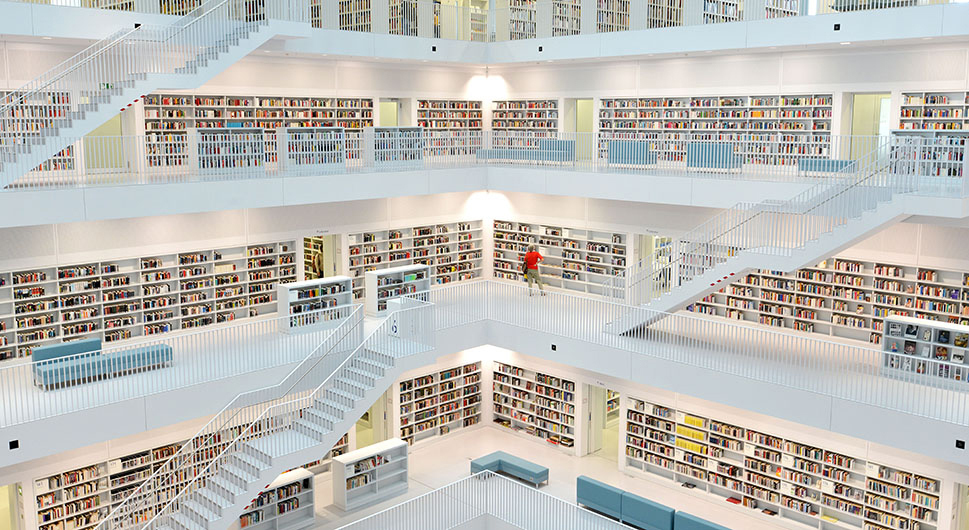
(704, 155)
(619, 504)
(502, 462)
(685, 521)
(73, 362)
(630, 153)
(821, 165)
(548, 150)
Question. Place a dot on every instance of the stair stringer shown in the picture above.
(717, 277)
(93, 114)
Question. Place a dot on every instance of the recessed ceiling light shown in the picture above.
(926, 38)
(845, 43)
(47, 38)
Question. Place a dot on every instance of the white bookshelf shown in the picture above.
(479, 20)
(128, 298)
(535, 404)
(395, 282)
(843, 297)
(522, 18)
(613, 405)
(369, 475)
(286, 503)
(439, 402)
(397, 146)
(453, 127)
(308, 296)
(719, 11)
(566, 17)
(575, 259)
(452, 250)
(613, 15)
(664, 13)
(345, 444)
(310, 148)
(531, 117)
(355, 15)
(30, 124)
(930, 153)
(403, 17)
(932, 349)
(758, 471)
(224, 150)
(939, 111)
(772, 129)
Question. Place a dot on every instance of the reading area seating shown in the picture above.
(708, 155)
(548, 150)
(502, 462)
(79, 361)
(806, 166)
(624, 506)
(630, 153)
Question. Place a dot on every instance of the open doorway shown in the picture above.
(869, 115)
(321, 256)
(389, 113)
(962, 506)
(603, 431)
(374, 426)
(580, 120)
(10, 502)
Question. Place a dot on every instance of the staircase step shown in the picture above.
(319, 412)
(185, 522)
(214, 497)
(241, 475)
(227, 486)
(365, 375)
(356, 387)
(372, 365)
(312, 429)
(202, 511)
(282, 443)
(250, 463)
(343, 394)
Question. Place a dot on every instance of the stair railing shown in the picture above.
(138, 506)
(772, 228)
(404, 332)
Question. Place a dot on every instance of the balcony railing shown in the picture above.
(207, 156)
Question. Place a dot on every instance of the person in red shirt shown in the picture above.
(532, 257)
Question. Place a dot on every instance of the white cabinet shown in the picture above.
(369, 475)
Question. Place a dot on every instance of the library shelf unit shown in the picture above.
(309, 149)
(479, 21)
(369, 475)
(783, 8)
(774, 476)
(395, 282)
(566, 17)
(522, 18)
(535, 404)
(612, 405)
(312, 246)
(575, 259)
(169, 116)
(945, 157)
(932, 349)
(397, 146)
(440, 402)
(37, 109)
(941, 111)
(771, 129)
(222, 150)
(843, 297)
(402, 18)
(355, 15)
(452, 250)
(286, 503)
(719, 11)
(453, 126)
(531, 117)
(127, 298)
(334, 293)
(613, 15)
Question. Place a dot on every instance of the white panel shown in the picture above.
(898, 243)
(27, 246)
(432, 206)
(640, 216)
(914, 68)
(310, 218)
(612, 78)
(317, 76)
(715, 74)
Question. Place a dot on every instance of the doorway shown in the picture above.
(321, 256)
(604, 408)
(389, 113)
(373, 426)
(580, 123)
(10, 502)
(870, 116)
(962, 506)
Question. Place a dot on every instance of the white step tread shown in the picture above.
(282, 443)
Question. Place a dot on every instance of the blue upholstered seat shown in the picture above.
(599, 496)
(711, 155)
(646, 514)
(77, 361)
(685, 521)
(502, 462)
(629, 153)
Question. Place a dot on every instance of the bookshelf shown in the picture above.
(567, 17)
(395, 282)
(479, 20)
(452, 250)
(575, 259)
(522, 18)
(286, 503)
(535, 404)
(773, 475)
(453, 126)
(355, 15)
(127, 298)
(343, 445)
(178, 7)
(310, 148)
(843, 297)
(224, 150)
(664, 13)
(440, 402)
(719, 11)
(613, 405)
(945, 157)
(612, 15)
(397, 146)
(403, 17)
(539, 117)
(772, 129)
(30, 123)
(784, 8)
(308, 296)
(938, 111)
(910, 342)
(168, 117)
(369, 475)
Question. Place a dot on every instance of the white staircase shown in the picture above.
(269, 431)
(832, 215)
(48, 114)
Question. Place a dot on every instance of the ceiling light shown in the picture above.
(47, 38)
(845, 43)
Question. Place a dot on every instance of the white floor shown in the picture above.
(441, 461)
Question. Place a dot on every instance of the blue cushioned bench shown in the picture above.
(599, 496)
(502, 462)
(630, 153)
(806, 166)
(619, 504)
(74, 362)
(714, 156)
(548, 150)
(685, 521)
